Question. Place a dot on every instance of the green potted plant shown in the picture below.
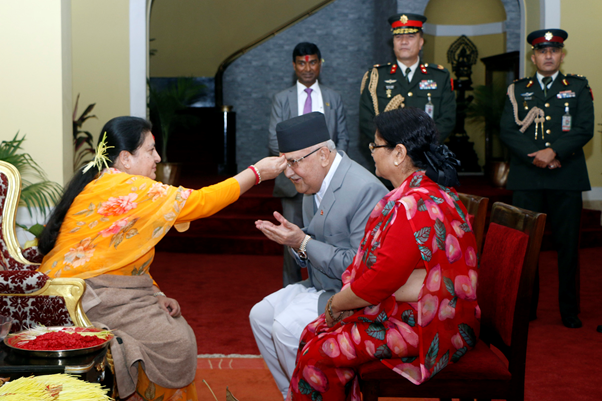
(487, 107)
(83, 141)
(166, 106)
(38, 192)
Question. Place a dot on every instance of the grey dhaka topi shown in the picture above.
(302, 132)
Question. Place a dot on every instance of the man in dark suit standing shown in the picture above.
(407, 82)
(306, 96)
(547, 120)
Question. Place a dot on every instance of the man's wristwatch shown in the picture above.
(302, 252)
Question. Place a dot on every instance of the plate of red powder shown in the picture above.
(59, 341)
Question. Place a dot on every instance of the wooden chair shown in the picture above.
(477, 208)
(506, 276)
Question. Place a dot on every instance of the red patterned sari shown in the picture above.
(420, 225)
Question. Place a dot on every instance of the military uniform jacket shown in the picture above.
(382, 84)
(571, 90)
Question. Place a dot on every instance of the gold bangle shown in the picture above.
(329, 307)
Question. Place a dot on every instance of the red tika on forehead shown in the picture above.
(307, 59)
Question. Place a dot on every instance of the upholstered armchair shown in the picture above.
(26, 295)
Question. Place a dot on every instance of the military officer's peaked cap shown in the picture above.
(302, 132)
(547, 38)
(406, 23)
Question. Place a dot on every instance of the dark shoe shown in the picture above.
(599, 329)
(572, 322)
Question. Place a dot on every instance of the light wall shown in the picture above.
(580, 19)
(193, 37)
(36, 81)
(100, 40)
(464, 12)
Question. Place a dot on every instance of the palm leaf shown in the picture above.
(166, 104)
(40, 192)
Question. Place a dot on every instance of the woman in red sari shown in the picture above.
(409, 297)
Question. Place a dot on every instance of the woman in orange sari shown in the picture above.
(104, 230)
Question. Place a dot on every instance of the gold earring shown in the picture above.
(396, 163)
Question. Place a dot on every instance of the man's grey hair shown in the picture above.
(330, 145)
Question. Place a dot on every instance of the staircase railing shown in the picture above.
(219, 94)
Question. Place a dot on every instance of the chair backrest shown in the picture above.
(476, 206)
(11, 257)
(506, 274)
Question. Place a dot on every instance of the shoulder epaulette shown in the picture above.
(578, 76)
(381, 65)
(436, 67)
(521, 79)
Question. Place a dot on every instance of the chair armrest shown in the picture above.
(22, 282)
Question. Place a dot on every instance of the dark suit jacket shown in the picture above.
(571, 90)
(285, 106)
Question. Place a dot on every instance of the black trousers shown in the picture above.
(563, 209)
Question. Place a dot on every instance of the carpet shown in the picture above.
(248, 379)
(216, 293)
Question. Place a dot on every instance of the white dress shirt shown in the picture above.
(412, 69)
(540, 77)
(326, 182)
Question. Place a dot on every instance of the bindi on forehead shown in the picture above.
(307, 59)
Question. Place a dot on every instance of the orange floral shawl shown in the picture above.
(114, 224)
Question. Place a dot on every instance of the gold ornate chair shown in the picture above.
(26, 295)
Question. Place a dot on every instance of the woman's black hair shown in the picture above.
(411, 127)
(417, 131)
(123, 133)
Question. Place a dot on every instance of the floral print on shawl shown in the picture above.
(417, 339)
(113, 226)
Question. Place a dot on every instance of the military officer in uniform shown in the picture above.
(407, 82)
(547, 120)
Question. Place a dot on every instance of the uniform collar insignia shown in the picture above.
(393, 69)
(423, 68)
(530, 84)
(565, 82)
